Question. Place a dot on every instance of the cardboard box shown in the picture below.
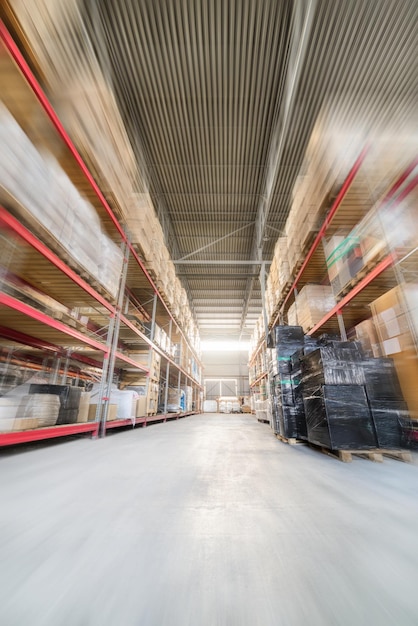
(141, 406)
(83, 409)
(392, 315)
(111, 415)
(406, 364)
(366, 335)
(21, 423)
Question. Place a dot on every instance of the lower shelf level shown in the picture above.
(24, 436)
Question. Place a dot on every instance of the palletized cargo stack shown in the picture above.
(287, 340)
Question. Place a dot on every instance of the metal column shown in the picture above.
(113, 338)
(341, 326)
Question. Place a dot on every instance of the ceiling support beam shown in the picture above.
(302, 20)
(214, 242)
(219, 262)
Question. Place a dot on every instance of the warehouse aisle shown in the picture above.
(206, 521)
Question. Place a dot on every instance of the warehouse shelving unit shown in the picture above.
(52, 310)
(371, 282)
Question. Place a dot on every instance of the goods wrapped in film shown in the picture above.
(338, 417)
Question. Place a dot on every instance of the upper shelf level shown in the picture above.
(61, 279)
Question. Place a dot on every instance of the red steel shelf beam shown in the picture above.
(38, 434)
(49, 110)
(25, 436)
(144, 420)
(17, 305)
(257, 380)
(381, 267)
(27, 340)
(389, 260)
(45, 346)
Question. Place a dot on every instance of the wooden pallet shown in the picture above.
(362, 273)
(376, 454)
(292, 441)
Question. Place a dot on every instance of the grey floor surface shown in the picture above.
(209, 520)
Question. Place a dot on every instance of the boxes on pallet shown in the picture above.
(210, 406)
(21, 411)
(395, 315)
(69, 399)
(111, 413)
(174, 396)
(48, 200)
(44, 408)
(343, 259)
(83, 409)
(141, 406)
(366, 335)
(149, 358)
(312, 303)
(188, 398)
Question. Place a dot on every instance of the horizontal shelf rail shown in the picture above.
(21, 307)
(258, 379)
(38, 434)
(381, 267)
(387, 262)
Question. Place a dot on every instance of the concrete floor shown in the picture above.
(207, 521)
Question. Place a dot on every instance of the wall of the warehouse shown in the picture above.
(226, 366)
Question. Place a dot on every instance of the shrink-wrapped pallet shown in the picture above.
(312, 303)
(49, 202)
(366, 335)
(44, 408)
(395, 316)
(82, 97)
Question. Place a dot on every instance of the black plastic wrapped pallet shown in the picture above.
(283, 389)
(296, 360)
(332, 365)
(302, 432)
(338, 417)
(325, 339)
(284, 364)
(381, 379)
(69, 400)
(391, 422)
(309, 344)
(288, 334)
(288, 339)
(287, 421)
(276, 410)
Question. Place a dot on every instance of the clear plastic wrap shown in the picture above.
(333, 365)
(381, 380)
(391, 423)
(312, 303)
(69, 398)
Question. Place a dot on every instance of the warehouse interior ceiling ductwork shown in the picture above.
(220, 101)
